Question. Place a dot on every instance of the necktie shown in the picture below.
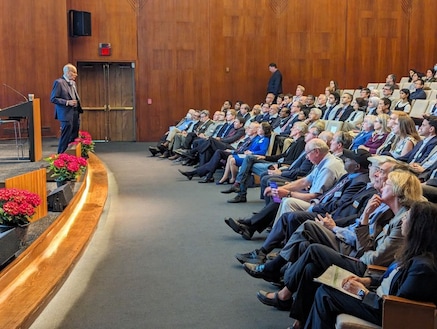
(328, 111)
(328, 195)
(225, 130)
(244, 145)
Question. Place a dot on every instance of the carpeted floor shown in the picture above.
(162, 256)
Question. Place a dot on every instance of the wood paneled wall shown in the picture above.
(197, 53)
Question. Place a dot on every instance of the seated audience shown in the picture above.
(185, 124)
(413, 275)
(255, 142)
(259, 146)
(259, 164)
(356, 178)
(377, 247)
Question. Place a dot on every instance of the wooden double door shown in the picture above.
(107, 92)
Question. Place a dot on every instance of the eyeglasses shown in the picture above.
(309, 152)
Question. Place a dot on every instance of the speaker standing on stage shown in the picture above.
(67, 106)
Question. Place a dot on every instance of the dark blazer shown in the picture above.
(418, 94)
(347, 212)
(424, 153)
(347, 193)
(61, 93)
(299, 168)
(417, 281)
(293, 119)
(233, 135)
(275, 83)
(291, 154)
(347, 112)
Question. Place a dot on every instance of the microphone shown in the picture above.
(16, 91)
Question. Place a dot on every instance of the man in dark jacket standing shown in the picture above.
(275, 82)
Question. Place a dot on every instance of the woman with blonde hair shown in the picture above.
(406, 136)
(379, 135)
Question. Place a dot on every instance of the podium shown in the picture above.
(30, 110)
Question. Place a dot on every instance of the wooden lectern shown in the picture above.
(30, 110)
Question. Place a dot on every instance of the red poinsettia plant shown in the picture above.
(66, 166)
(17, 206)
(86, 141)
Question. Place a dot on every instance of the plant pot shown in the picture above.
(10, 243)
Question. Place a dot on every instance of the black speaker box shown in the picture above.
(80, 23)
(58, 199)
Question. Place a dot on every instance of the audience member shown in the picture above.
(404, 102)
(406, 136)
(379, 134)
(366, 132)
(355, 119)
(274, 85)
(418, 93)
(345, 109)
(331, 106)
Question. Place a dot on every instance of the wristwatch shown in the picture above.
(362, 293)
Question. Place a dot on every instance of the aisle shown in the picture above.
(162, 256)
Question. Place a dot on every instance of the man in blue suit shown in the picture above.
(67, 106)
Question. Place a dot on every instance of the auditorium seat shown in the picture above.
(404, 80)
(418, 107)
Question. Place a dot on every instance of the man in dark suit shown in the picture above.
(275, 82)
(418, 155)
(67, 106)
(419, 93)
(345, 109)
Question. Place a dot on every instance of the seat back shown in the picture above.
(418, 107)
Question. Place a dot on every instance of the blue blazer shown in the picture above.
(61, 93)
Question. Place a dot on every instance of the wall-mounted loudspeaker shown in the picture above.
(80, 23)
(60, 198)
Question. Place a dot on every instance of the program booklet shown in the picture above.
(334, 276)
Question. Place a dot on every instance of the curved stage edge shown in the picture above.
(32, 279)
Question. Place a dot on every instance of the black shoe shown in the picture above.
(238, 199)
(154, 150)
(206, 179)
(258, 271)
(283, 305)
(232, 189)
(186, 153)
(253, 257)
(188, 174)
(239, 228)
(233, 225)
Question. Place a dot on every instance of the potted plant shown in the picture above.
(65, 167)
(86, 141)
(16, 208)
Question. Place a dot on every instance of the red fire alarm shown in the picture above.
(104, 49)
